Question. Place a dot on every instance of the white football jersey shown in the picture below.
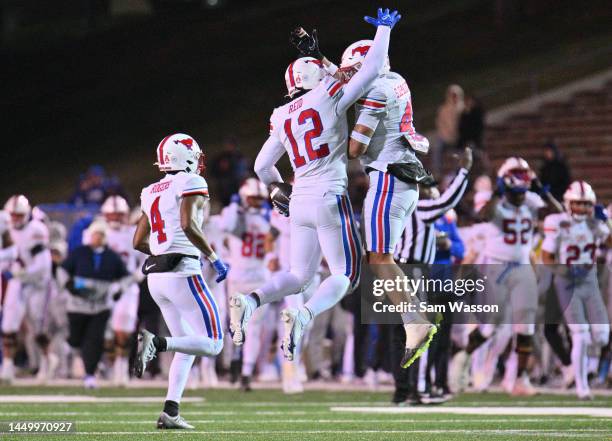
(283, 241)
(31, 241)
(161, 202)
(246, 245)
(389, 102)
(511, 237)
(120, 241)
(573, 242)
(315, 138)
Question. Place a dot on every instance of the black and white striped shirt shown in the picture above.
(418, 242)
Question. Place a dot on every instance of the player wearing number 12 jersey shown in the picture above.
(170, 232)
(312, 129)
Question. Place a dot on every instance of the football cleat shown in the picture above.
(523, 387)
(146, 353)
(165, 421)
(293, 331)
(427, 332)
(240, 313)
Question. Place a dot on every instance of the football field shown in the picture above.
(130, 414)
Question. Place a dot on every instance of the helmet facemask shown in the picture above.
(580, 210)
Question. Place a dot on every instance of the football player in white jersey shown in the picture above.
(312, 129)
(384, 138)
(28, 287)
(169, 231)
(247, 223)
(512, 213)
(570, 243)
(8, 250)
(116, 211)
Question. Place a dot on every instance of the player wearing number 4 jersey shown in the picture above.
(513, 212)
(312, 130)
(571, 241)
(169, 231)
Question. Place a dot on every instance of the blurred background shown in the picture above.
(100, 82)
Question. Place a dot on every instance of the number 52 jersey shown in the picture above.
(161, 203)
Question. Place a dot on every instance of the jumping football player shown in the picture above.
(169, 230)
(312, 129)
(571, 241)
(385, 140)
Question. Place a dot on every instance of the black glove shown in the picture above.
(307, 45)
(280, 195)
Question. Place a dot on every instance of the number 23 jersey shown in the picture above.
(161, 203)
(315, 138)
(510, 237)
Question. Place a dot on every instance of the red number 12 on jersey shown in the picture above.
(315, 132)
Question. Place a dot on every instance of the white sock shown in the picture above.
(580, 342)
(200, 345)
(178, 375)
(329, 293)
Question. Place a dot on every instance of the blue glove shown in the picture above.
(501, 186)
(235, 199)
(221, 268)
(384, 18)
(79, 283)
(7, 275)
(600, 213)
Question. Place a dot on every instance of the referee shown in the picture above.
(418, 247)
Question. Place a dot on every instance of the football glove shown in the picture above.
(501, 187)
(600, 213)
(307, 45)
(280, 195)
(384, 18)
(221, 268)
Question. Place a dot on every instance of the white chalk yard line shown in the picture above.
(554, 411)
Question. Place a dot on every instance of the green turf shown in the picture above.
(270, 415)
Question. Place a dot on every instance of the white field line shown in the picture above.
(555, 411)
(518, 432)
(349, 421)
(60, 399)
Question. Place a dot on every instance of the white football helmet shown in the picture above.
(252, 188)
(353, 56)
(180, 152)
(303, 74)
(579, 200)
(19, 208)
(517, 174)
(116, 211)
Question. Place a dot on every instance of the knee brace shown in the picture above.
(524, 344)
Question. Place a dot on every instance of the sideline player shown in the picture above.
(116, 211)
(169, 230)
(513, 212)
(247, 223)
(312, 129)
(29, 279)
(385, 140)
(570, 244)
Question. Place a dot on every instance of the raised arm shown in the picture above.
(373, 62)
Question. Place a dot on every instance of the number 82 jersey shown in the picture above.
(161, 203)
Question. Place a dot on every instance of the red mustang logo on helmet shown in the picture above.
(317, 62)
(361, 50)
(187, 142)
